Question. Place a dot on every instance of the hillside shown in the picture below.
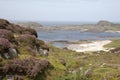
(24, 57)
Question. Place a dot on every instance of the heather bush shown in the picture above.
(15, 28)
(27, 40)
(4, 44)
(3, 23)
(7, 35)
(30, 67)
(41, 44)
(30, 31)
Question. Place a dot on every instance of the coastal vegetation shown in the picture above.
(24, 57)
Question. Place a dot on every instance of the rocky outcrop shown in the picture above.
(14, 40)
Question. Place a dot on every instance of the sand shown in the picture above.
(93, 46)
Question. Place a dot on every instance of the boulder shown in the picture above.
(44, 52)
(6, 55)
(13, 52)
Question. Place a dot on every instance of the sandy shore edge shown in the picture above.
(93, 46)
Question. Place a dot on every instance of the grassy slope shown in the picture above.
(104, 66)
(113, 44)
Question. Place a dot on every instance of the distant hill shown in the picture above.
(104, 23)
(33, 25)
(100, 26)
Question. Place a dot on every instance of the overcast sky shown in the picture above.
(60, 10)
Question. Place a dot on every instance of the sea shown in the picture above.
(59, 36)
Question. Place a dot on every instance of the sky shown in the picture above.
(60, 10)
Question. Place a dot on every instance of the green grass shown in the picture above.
(113, 44)
(105, 66)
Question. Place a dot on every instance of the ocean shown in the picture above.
(60, 36)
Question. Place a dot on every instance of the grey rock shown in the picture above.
(13, 52)
(43, 52)
(6, 55)
(10, 77)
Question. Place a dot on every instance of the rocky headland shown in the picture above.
(15, 42)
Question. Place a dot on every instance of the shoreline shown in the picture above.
(89, 47)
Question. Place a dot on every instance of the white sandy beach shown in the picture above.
(93, 46)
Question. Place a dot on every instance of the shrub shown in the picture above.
(27, 67)
(7, 35)
(27, 40)
(3, 23)
(30, 31)
(15, 28)
(41, 44)
(4, 44)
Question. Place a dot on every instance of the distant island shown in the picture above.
(98, 27)
(33, 25)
